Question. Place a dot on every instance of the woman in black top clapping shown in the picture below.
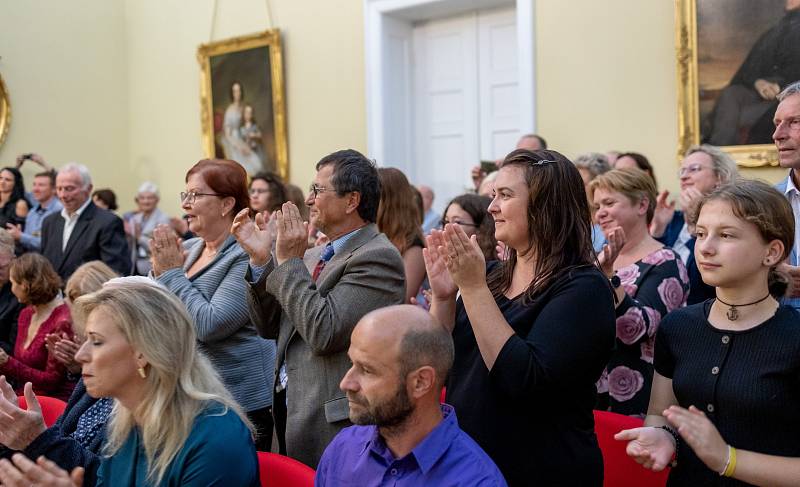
(532, 333)
(727, 385)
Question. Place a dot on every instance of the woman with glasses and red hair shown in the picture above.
(209, 279)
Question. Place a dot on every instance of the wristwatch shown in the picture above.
(615, 281)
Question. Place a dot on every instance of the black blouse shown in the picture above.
(747, 382)
(532, 413)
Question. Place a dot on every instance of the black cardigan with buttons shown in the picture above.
(747, 382)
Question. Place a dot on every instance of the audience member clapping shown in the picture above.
(14, 206)
(76, 438)
(649, 280)
(471, 213)
(267, 193)
(36, 284)
(140, 226)
(400, 219)
(310, 299)
(82, 232)
(704, 169)
(532, 336)
(29, 236)
(173, 422)
(401, 357)
(209, 280)
(725, 392)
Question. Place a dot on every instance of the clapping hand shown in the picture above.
(611, 250)
(663, 214)
(165, 250)
(22, 472)
(700, 434)
(651, 447)
(254, 236)
(63, 348)
(442, 285)
(292, 233)
(19, 427)
(463, 257)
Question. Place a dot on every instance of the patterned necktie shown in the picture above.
(324, 258)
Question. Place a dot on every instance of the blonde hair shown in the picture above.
(180, 383)
(634, 184)
(88, 278)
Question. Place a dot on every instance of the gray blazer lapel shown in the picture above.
(363, 235)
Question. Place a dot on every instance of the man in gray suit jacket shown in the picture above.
(311, 299)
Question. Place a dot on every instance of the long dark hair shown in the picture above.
(559, 222)
(19, 186)
(477, 207)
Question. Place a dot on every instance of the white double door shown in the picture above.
(465, 97)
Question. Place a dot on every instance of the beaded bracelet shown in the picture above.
(677, 438)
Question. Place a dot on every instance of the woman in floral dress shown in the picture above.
(649, 279)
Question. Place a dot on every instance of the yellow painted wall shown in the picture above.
(116, 84)
(606, 79)
(65, 68)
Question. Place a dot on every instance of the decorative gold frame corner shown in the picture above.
(5, 111)
(272, 39)
(688, 111)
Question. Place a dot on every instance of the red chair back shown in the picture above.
(52, 408)
(620, 469)
(280, 471)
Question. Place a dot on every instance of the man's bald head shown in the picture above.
(413, 335)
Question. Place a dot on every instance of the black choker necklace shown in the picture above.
(733, 312)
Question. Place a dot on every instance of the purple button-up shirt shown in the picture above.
(358, 456)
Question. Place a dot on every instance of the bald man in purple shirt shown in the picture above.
(402, 435)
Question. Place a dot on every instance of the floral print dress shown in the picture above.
(654, 286)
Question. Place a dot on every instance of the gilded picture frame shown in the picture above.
(243, 114)
(714, 40)
(5, 111)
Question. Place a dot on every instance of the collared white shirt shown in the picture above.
(680, 247)
(793, 195)
(70, 221)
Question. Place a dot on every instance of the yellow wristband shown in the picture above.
(732, 464)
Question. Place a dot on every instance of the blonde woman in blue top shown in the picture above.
(173, 421)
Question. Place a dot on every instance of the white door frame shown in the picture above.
(376, 40)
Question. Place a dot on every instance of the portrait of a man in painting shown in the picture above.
(747, 51)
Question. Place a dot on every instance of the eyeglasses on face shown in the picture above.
(690, 169)
(318, 189)
(444, 222)
(255, 191)
(191, 196)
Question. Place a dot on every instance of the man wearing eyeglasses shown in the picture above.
(311, 299)
(82, 232)
(787, 141)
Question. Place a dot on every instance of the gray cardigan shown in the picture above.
(215, 298)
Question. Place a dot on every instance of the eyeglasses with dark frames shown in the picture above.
(444, 222)
(318, 189)
(191, 196)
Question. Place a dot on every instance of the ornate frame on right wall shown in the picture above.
(717, 44)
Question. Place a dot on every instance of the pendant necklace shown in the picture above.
(733, 311)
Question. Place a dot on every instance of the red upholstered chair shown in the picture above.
(620, 469)
(52, 408)
(280, 471)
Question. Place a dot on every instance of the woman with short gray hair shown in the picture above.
(703, 169)
(141, 224)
